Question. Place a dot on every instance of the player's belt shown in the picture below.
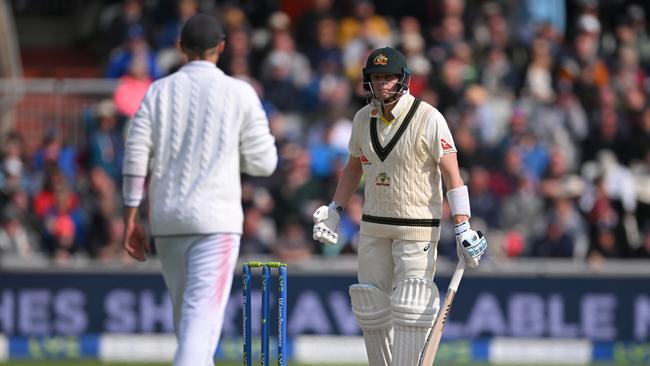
(401, 222)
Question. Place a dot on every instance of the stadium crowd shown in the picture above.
(547, 102)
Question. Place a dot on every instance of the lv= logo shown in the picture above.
(362, 157)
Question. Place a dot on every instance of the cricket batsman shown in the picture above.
(405, 150)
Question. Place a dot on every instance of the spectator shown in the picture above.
(307, 28)
(532, 113)
(497, 73)
(170, 32)
(12, 170)
(643, 251)
(135, 46)
(106, 144)
(364, 23)
(487, 115)
(324, 156)
(640, 41)
(451, 86)
(168, 57)
(483, 202)
(54, 152)
(15, 238)
(538, 83)
(238, 50)
(565, 233)
(286, 72)
(562, 124)
(558, 181)
(640, 138)
(293, 244)
(116, 20)
(62, 231)
(132, 87)
(603, 246)
(521, 213)
(328, 88)
(103, 205)
(259, 232)
(582, 66)
(534, 14)
(555, 243)
(324, 46)
(359, 34)
(298, 193)
(413, 47)
(450, 32)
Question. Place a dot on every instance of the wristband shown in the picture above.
(335, 205)
(461, 228)
(132, 190)
(459, 201)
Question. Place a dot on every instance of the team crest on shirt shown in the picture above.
(445, 145)
(380, 59)
(363, 159)
(382, 179)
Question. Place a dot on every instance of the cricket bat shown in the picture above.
(430, 348)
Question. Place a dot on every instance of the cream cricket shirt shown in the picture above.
(195, 131)
(403, 190)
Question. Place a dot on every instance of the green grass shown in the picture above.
(97, 363)
(220, 363)
(230, 363)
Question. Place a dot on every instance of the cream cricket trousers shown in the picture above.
(198, 272)
(383, 261)
(403, 270)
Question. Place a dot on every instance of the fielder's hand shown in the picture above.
(136, 242)
(326, 225)
(470, 244)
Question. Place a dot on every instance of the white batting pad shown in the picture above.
(372, 308)
(415, 305)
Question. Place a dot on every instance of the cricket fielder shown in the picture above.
(404, 149)
(195, 131)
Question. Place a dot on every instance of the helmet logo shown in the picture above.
(380, 59)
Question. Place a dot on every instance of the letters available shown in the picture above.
(599, 316)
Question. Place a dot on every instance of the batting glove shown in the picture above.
(326, 225)
(470, 244)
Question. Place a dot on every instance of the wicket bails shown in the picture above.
(266, 300)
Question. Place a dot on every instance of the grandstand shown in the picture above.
(547, 102)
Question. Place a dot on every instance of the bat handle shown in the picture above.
(458, 274)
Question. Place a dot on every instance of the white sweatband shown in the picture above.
(459, 201)
(132, 190)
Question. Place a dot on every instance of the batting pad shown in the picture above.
(415, 305)
(371, 307)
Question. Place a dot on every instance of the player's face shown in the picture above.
(384, 85)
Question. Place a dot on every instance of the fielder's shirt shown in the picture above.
(195, 131)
